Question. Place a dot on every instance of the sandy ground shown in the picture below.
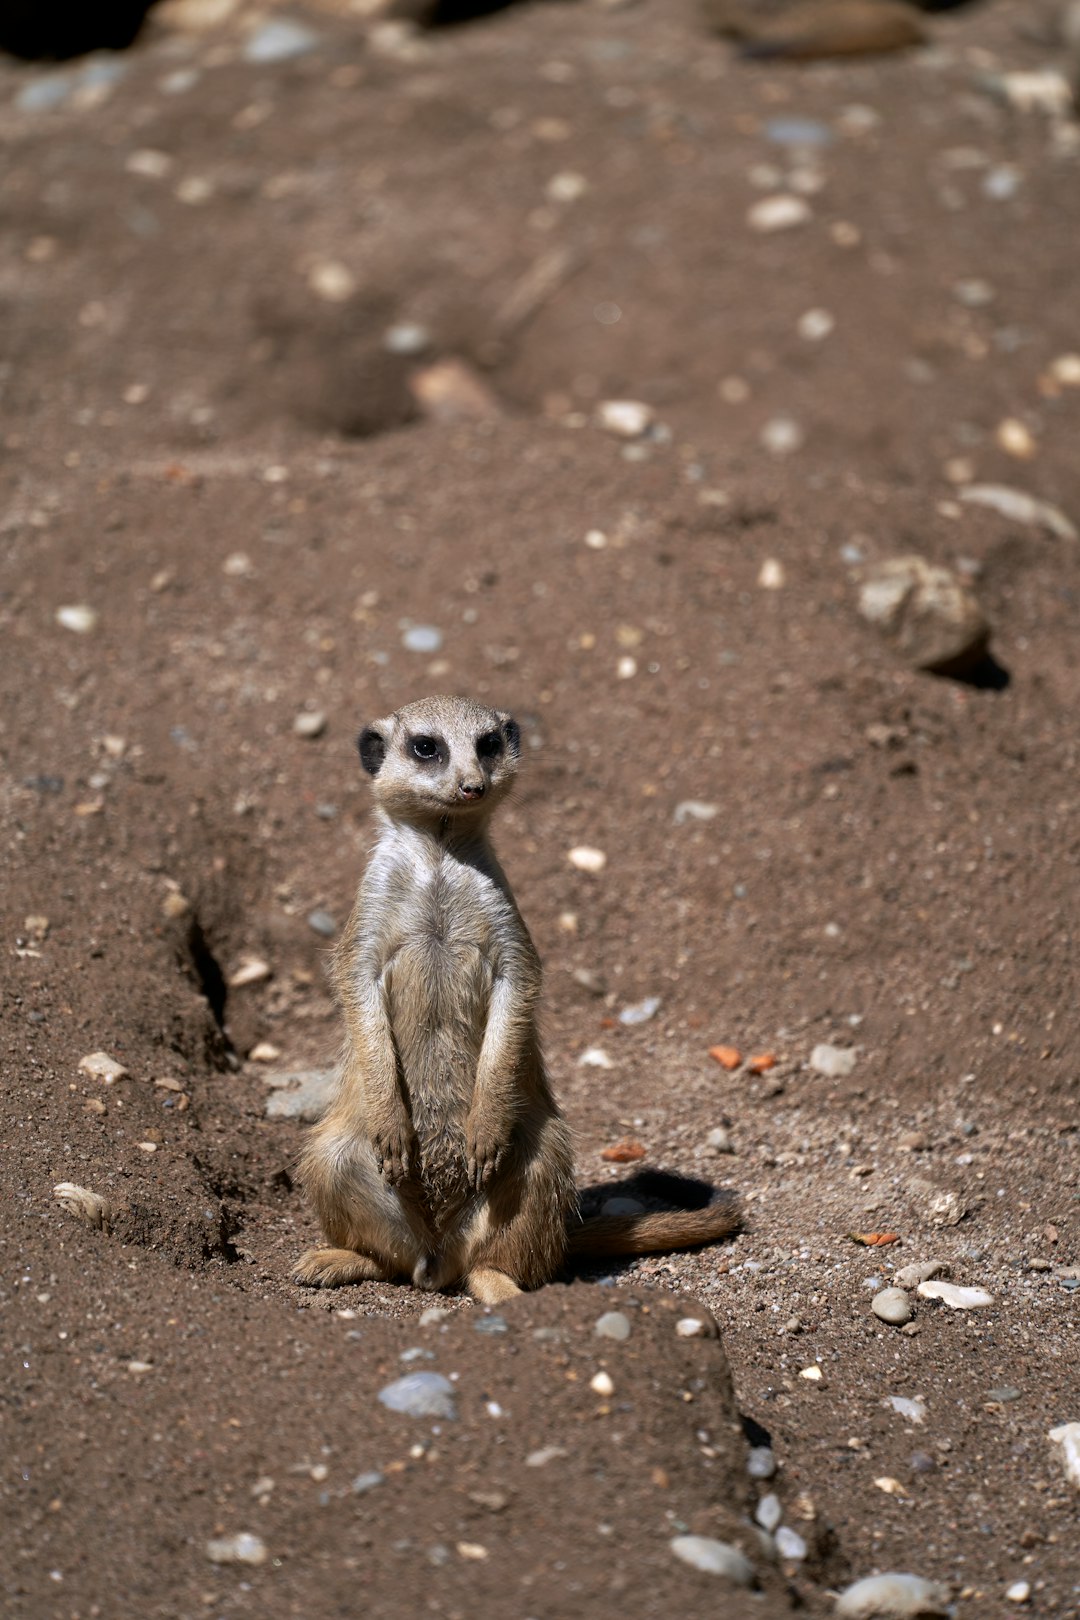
(214, 437)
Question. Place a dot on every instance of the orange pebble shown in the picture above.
(728, 1057)
(762, 1062)
(624, 1152)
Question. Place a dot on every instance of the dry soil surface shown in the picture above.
(229, 274)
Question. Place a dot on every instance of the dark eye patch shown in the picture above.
(490, 745)
(424, 748)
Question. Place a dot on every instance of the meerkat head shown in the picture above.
(440, 757)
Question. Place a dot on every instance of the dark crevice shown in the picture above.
(208, 972)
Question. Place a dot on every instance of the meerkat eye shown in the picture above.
(489, 746)
(424, 748)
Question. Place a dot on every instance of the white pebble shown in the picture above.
(546, 1454)
(422, 638)
(602, 1384)
(640, 1012)
(1066, 370)
(914, 1411)
(332, 281)
(586, 858)
(626, 668)
(148, 163)
(1021, 508)
(694, 810)
(251, 970)
(892, 1597)
(79, 618)
(771, 576)
(626, 418)
(690, 1327)
(100, 1066)
(1018, 1592)
(311, 723)
(815, 325)
(243, 1548)
(407, 337)
(778, 213)
(715, 1558)
(835, 1062)
(594, 1057)
(959, 1299)
(613, 1325)
(596, 539)
(813, 1375)
(782, 436)
(1067, 1437)
(566, 187)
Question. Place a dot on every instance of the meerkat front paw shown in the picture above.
(485, 1145)
(395, 1149)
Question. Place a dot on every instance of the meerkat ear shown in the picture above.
(372, 748)
(512, 733)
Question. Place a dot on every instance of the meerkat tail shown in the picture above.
(652, 1233)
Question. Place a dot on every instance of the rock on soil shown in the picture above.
(926, 612)
(892, 1597)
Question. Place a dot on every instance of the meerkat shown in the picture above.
(444, 1156)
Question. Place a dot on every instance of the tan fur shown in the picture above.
(444, 1156)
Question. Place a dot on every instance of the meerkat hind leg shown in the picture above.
(330, 1268)
(490, 1286)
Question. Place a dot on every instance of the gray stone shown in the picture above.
(367, 1482)
(926, 612)
(422, 638)
(715, 1558)
(45, 95)
(322, 923)
(613, 1325)
(491, 1324)
(892, 1305)
(761, 1462)
(769, 1512)
(892, 1597)
(305, 1094)
(421, 1394)
(279, 40)
(911, 1276)
(790, 1545)
(622, 1206)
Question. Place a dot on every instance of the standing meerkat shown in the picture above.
(444, 1156)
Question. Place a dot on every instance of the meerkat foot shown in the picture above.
(491, 1287)
(329, 1268)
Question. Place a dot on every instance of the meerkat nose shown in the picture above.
(471, 790)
